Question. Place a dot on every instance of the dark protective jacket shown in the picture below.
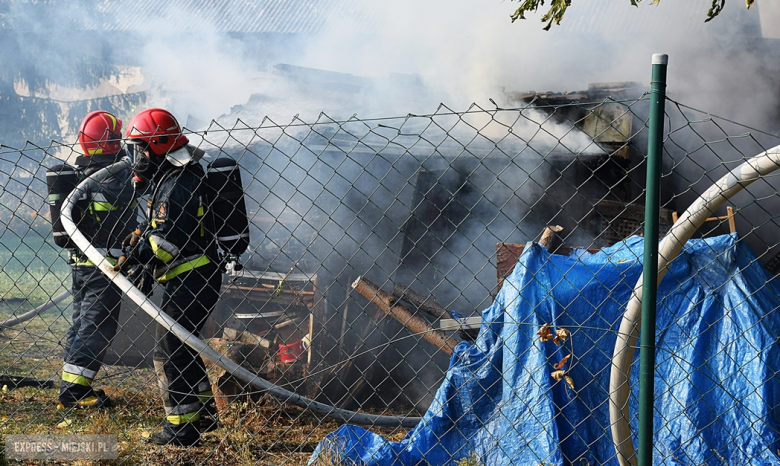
(109, 212)
(178, 238)
(105, 215)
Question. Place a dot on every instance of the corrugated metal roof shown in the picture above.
(245, 16)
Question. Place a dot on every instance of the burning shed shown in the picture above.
(420, 202)
(420, 205)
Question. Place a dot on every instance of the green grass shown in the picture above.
(31, 268)
(33, 348)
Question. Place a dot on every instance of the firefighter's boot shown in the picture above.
(93, 399)
(76, 392)
(184, 434)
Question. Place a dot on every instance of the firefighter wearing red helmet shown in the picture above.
(106, 216)
(183, 256)
(100, 134)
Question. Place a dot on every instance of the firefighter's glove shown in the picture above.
(141, 279)
(131, 240)
(128, 246)
(124, 263)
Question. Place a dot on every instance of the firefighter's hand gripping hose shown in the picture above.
(690, 221)
(130, 241)
(193, 341)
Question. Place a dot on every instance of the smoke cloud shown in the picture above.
(393, 58)
(403, 56)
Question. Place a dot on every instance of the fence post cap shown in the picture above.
(660, 59)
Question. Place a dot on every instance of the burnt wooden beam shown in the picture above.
(550, 239)
(417, 325)
(431, 307)
(420, 301)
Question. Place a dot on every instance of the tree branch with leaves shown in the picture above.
(558, 9)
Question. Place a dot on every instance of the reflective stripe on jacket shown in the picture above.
(177, 237)
(111, 212)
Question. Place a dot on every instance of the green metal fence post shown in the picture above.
(650, 260)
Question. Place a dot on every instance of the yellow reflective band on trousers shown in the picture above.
(185, 267)
(77, 379)
(205, 396)
(179, 419)
(89, 263)
(161, 253)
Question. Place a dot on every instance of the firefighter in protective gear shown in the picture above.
(108, 214)
(178, 246)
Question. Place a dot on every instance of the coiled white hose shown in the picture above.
(690, 221)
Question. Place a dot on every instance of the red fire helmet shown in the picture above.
(156, 129)
(100, 133)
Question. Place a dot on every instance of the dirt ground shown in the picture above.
(261, 432)
(255, 430)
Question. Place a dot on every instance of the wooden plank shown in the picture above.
(417, 325)
(420, 301)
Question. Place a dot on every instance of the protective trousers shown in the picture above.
(189, 299)
(96, 305)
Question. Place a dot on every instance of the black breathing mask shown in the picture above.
(145, 166)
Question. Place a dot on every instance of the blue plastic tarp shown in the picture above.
(717, 362)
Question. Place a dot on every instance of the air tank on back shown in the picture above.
(61, 181)
(227, 206)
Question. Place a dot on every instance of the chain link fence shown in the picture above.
(467, 267)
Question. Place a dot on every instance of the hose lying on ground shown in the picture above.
(193, 341)
(10, 382)
(37, 311)
(690, 221)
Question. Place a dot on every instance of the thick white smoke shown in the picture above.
(468, 51)
(406, 56)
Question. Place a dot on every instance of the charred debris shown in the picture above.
(307, 332)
